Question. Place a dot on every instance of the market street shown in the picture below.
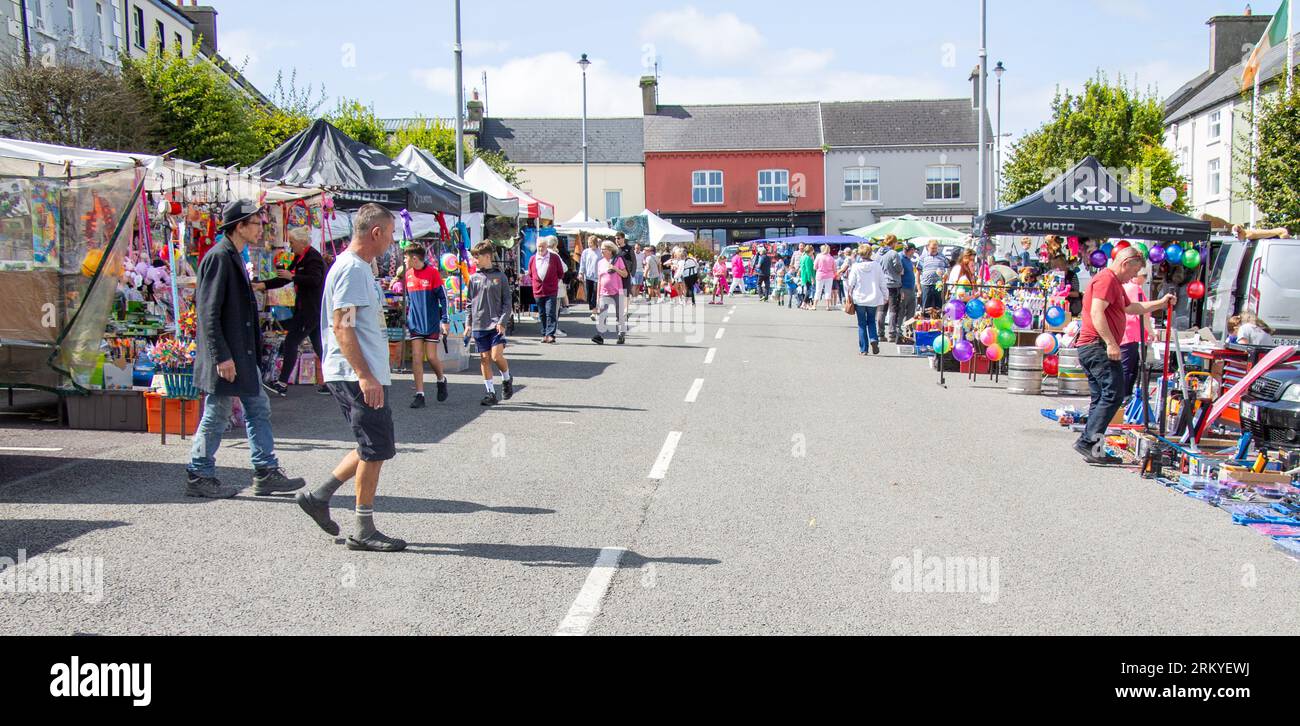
(805, 486)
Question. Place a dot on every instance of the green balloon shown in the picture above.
(1145, 252)
(1004, 323)
(1191, 259)
(1006, 339)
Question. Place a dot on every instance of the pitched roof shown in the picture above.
(559, 140)
(1227, 86)
(901, 123)
(739, 127)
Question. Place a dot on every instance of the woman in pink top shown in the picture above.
(610, 272)
(1130, 347)
(824, 264)
(719, 296)
(737, 274)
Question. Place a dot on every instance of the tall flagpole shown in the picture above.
(983, 92)
(1290, 51)
(460, 101)
(1254, 142)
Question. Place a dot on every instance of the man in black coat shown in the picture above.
(229, 343)
(307, 273)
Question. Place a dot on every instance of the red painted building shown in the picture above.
(736, 173)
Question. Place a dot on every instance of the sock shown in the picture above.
(505, 375)
(420, 394)
(442, 379)
(325, 491)
(365, 521)
(488, 383)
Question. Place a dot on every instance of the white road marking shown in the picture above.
(708, 357)
(586, 606)
(726, 320)
(693, 394)
(720, 332)
(27, 448)
(660, 469)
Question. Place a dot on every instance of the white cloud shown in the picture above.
(517, 89)
(245, 45)
(716, 38)
(485, 47)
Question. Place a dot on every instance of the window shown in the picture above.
(179, 42)
(37, 9)
(1215, 178)
(942, 183)
(613, 204)
(706, 187)
(862, 184)
(773, 186)
(160, 34)
(74, 24)
(137, 25)
(1216, 124)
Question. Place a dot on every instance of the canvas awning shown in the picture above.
(473, 199)
(482, 176)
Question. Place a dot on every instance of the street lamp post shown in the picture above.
(997, 187)
(460, 100)
(983, 82)
(586, 199)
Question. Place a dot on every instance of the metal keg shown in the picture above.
(1025, 376)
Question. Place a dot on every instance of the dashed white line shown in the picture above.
(708, 357)
(660, 469)
(694, 394)
(726, 320)
(720, 332)
(586, 606)
(28, 449)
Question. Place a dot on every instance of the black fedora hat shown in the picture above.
(236, 212)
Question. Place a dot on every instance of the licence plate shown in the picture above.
(1249, 412)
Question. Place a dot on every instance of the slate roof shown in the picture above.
(1227, 85)
(901, 123)
(559, 140)
(738, 127)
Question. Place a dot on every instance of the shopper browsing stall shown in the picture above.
(229, 341)
(358, 376)
(1105, 304)
(307, 274)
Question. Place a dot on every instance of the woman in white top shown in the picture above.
(866, 287)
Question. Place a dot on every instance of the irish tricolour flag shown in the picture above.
(1279, 30)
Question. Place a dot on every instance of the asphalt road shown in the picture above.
(808, 491)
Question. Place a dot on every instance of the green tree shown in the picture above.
(73, 105)
(292, 112)
(358, 121)
(498, 162)
(431, 135)
(193, 107)
(1123, 128)
(1275, 188)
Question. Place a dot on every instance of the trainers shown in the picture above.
(377, 542)
(560, 333)
(323, 390)
(622, 339)
(207, 487)
(442, 390)
(597, 340)
(319, 512)
(488, 400)
(417, 401)
(277, 388)
(508, 386)
(273, 481)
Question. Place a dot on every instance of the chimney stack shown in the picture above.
(204, 18)
(474, 110)
(1232, 37)
(649, 95)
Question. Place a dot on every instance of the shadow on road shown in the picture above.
(36, 536)
(547, 555)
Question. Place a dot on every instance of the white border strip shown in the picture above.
(586, 606)
(660, 469)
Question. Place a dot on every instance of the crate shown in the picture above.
(153, 405)
(106, 411)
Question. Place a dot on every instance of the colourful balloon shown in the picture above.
(994, 352)
(942, 344)
(1023, 317)
(1191, 259)
(1006, 339)
(963, 351)
(1157, 255)
(1004, 323)
(988, 336)
(1174, 255)
(1051, 365)
(975, 309)
(1055, 316)
(1108, 249)
(995, 309)
(449, 262)
(1144, 250)
(1046, 343)
(1098, 259)
(1196, 290)
(954, 310)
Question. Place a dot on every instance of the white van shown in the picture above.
(1261, 277)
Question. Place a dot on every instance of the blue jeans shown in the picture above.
(1106, 380)
(866, 327)
(546, 307)
(216, 414)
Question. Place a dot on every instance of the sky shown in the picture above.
(396, 55)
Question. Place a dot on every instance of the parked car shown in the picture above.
(1270, 411)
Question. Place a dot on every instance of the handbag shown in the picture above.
(849, 307)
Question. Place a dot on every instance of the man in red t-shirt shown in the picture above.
(1104, 308)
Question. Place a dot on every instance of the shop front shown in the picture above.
(721, 230)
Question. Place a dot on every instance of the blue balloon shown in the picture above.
(1174, 255)
(1055, 316)
(975, 309)
(1107, 248)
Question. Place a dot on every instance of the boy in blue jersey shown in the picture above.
(426, 318)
